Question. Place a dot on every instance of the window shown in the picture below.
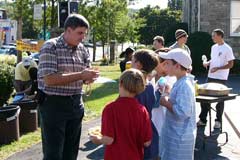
(235, 19)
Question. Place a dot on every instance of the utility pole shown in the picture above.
(44, 20)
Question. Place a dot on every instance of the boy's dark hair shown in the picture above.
(165, 50)
(160, 39)
(76, 20)
(33, 73)
(127, 52)
(162, 50)
(133, 81)
(219, 32)
(161, 60)
(147, 58)
(182, 68)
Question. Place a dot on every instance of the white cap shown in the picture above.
(179, 55)
(26, 61)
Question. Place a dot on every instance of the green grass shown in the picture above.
(100, 96)
(24, 142)
(102, 93)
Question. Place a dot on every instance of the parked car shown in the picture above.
(3, 51)
(10, 50)
(12, 44)
(35, 56)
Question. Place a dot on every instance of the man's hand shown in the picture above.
(215, 69)
(227, 66)
(89, 75)
(101, 140)
(96, 139)
(205, 64)
(164, 100)
(164, 89)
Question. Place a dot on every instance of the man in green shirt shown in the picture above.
(181, 40)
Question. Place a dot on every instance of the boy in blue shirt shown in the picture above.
(179, 129)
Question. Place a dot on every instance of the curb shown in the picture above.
(232, 125)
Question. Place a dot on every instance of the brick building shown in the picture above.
(206, 15)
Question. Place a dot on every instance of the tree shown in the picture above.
(22, 11)
(127, 29)
(156, 22)
(54, 15)
(109, 20)
(90, 12)
(199, 43)
(175, 4)
(18, 15)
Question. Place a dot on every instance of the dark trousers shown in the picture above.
(61, 123)
(219, 107)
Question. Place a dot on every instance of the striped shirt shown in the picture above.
(57, 57)
(179, 129)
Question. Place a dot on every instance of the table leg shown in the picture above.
(210, 120)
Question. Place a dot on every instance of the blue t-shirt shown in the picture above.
(147, 98)
(179, 133)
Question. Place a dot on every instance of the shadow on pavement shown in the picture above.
(88, 146)
(211, 148)
(97, 154)
(95, 151)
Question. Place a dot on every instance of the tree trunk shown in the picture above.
(19, 28)
(19, 37)
(112, 51)
(103, 54)
(52, 13)
(94, 48)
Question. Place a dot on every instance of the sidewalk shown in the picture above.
(232, 113)
(230, 151)
(214, 150)
(87, 150)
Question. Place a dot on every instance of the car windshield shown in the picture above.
(3, 51)
(35, 55)
(6, 49)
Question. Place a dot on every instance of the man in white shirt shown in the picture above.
(221, 62)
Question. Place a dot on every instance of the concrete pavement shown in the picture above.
(213, 149)
(87, 150)
(231, 124)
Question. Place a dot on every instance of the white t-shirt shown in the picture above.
(220, 56)
(158, 114)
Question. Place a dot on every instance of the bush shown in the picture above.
(104, 61)
(6, 79)
(143, 47)
(236, 67)
(200, 43)
(8, 59)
